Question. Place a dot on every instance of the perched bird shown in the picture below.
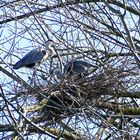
(36, 56)
(74, 67)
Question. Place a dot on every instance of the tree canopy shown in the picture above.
(102, 104)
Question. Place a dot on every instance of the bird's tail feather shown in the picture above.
(17, 65)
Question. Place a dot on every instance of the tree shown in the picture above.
(104, 104)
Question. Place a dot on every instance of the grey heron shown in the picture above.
(74, 67)
(36, 56)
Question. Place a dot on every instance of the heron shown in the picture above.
(74, 67)
(36, 56)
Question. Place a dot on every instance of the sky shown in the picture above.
(16, 40)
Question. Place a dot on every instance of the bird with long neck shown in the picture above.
(74, 67)
(36, 56)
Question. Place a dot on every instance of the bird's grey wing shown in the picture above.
(73, 67)
(32, 57)
(83, 63)
(79, 68)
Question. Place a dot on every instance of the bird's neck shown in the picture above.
(52, 52)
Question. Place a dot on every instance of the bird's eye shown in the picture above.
(44, 52)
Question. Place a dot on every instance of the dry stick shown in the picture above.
(34, 15)
(17, 79)
(22, 82)
(105, 122)
(61, 5)
(10, 113)
(28, 120)
(101, 130)
(26, 85)
(129, 40)
(131, 43)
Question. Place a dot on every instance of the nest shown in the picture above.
(69, 97)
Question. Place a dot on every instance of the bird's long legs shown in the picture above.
(34, 76)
